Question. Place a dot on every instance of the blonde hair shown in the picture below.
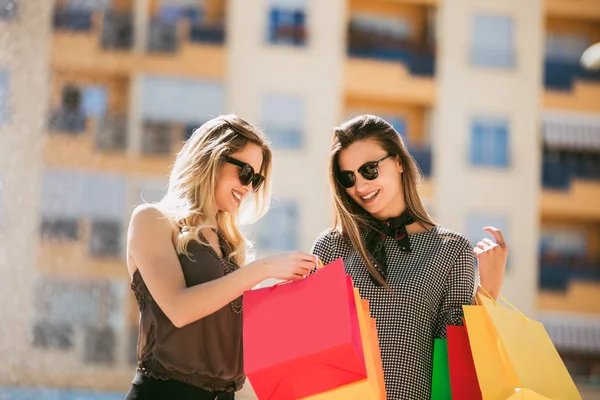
(350, 218)
(190, 196)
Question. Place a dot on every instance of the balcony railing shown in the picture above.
(571, 149)
(69, 121)
(105, 240)
(112, 133)
(560, 167)
(162, 37)
(117, 31)
(368, 43)
(157, 138)
(560, 75)
(556, 272)
(76, 20)
(207, 33)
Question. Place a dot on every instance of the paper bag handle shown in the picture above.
(318, 266)
(487, 294)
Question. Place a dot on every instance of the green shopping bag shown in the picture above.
(440, 381)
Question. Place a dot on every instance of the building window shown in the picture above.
(100, 345)
(287, 22)
(117, 31)
(94, 101)
(492, 41)
(378, 36)
(283, 119)
(489, 142)
(161, 96)
(70, 197)
(105, 240)
(279, 230)
(112, 133)
(3, 96)
(156, 139)
(52, 335)
(62, 229)
(162, 37)
(8, 9)
(564, 241)
(69, 311)
(70, 117)
(73, 19)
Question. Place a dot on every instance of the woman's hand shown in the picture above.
(288, 267)
(491, 259)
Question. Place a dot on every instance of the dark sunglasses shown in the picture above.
(369, 171)
(247, 175)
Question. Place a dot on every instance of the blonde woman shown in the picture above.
(184, 256)
(415, 274)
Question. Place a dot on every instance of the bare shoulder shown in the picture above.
(150, 234)
(150, 216)
(149, 222)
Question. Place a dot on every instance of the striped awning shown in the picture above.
(571, 132)
(573, 334)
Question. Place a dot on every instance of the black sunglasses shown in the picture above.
(369, 171)
(247, 175)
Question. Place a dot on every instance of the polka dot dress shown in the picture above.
(428, 288)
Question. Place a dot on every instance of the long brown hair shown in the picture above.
(350, 218)
(191, 194)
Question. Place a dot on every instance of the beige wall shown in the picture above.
(25, 45)
(313, 72)
(465, 91)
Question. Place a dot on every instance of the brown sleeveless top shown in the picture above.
(206, 353)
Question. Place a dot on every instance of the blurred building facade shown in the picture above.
(96, 97)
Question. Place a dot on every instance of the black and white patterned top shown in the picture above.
(428, 288)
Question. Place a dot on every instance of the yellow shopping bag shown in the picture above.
(372, 388)
(514, 355)
(526, 394)
(531, 352)
(497, 377)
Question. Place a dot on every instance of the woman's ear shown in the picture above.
(400, 168)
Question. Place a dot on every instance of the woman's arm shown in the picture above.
(458, 292)
(150, 248)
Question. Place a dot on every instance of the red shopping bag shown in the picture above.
(463, 377)
(303, 338)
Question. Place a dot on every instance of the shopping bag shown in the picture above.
(373, 387)
(463, 377)
(513, 354)
(526, 394)
(496, 376)
(303, 338)
(440, 382)
(529, 349)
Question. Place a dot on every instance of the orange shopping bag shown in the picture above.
(373, 387)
